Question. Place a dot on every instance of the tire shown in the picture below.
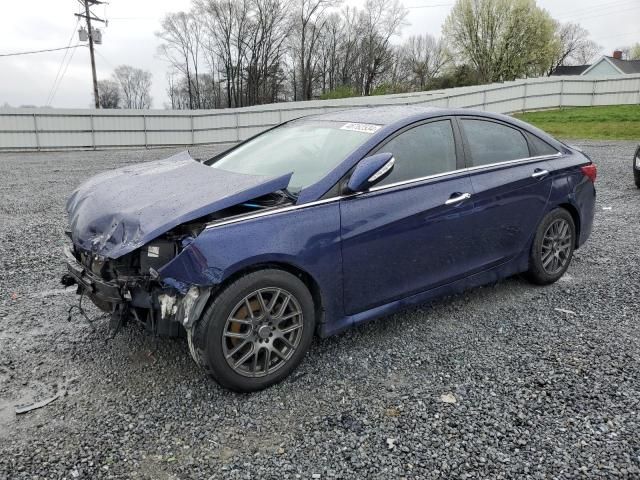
(552, 248)
(234, 325)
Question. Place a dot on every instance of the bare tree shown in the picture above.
(308, 22)
(180, 34)
(572, 45)
(266, 50)
(109, 94)
(422, 59)
(227, 24)
(379, 21)
(135, 85)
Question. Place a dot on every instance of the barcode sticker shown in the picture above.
(361, 127)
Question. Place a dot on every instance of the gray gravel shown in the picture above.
(538, 392)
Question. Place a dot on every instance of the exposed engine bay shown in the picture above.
(130, 289)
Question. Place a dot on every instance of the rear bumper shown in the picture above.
(585, 198)
(93, 285)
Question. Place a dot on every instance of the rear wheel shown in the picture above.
(552, 247)
(256, 331)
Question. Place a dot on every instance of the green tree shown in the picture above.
(501, 39)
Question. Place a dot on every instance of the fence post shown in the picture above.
(35, 129)
(561, 93)
(193, 135)
(237, 115)
(93, 132)
(593, 91)
(144, 124)
(524, 96)
(484, 100)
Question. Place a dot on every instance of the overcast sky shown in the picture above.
(130, 39)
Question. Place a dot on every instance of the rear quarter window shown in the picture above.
(540, 147)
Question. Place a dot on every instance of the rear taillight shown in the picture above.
(590, 171)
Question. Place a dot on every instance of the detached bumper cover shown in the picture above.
(108, 291)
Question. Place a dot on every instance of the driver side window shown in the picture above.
(421, 151)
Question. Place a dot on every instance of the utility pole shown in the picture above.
(88, 16)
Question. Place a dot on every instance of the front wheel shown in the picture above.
(256, 331)
(552, 247)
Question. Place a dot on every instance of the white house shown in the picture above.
(605, 65)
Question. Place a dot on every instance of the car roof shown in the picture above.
(392, 117)
(382, 115)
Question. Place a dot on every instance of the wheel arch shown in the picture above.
(310, 282)
(575, 215)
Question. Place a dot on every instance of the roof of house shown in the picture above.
(569, 70)
(627, 66)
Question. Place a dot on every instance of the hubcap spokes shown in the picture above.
(556, 246)
(262, 332)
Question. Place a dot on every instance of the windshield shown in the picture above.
(308, 149)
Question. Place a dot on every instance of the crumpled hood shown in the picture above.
(118, 211)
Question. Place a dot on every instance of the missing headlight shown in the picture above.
(156, 254)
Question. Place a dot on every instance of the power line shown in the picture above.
(604, 13)
(55, 81)
(39, 51)
(593, 8)
(53, 95)
(105, 59)
(432, 6)
(618, 35)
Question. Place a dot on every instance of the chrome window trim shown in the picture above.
(466, 170)
(376, 189)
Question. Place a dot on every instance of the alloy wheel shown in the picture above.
(556, 246)
(262, 332)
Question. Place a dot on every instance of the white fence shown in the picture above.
(47, 129)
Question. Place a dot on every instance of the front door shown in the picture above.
(411, 232)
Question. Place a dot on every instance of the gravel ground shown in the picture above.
(495, 383)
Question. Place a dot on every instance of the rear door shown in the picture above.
(411, 232)
(511, 187)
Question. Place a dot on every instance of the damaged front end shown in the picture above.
(129, 288)
(128, 224)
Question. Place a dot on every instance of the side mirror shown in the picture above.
(370, 171)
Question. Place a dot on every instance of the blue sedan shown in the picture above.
(322, 223)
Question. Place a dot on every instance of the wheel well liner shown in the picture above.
(573, 211)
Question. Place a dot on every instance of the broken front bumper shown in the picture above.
(170, 310)
(92, 284)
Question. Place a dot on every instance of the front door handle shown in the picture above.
(459, 197)
(537, 173)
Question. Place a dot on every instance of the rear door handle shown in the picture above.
(538, 173)
(461, 197)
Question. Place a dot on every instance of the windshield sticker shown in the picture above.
(361, 127)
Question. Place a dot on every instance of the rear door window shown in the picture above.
(421, 151)
(491, 142)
